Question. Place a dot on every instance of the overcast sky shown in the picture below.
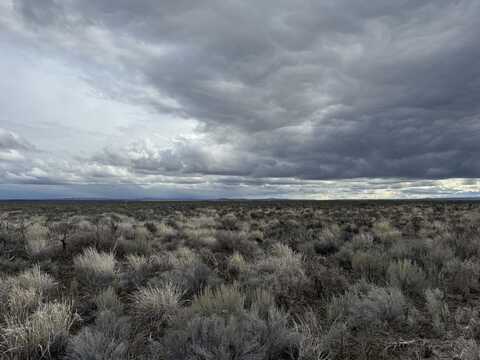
(223, 98)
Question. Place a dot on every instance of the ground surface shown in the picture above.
(240, 280)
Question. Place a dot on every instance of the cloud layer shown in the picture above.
(242, 96)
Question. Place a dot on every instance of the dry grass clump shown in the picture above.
(226, 300)
(312, 345)
(201, 237)
(406, 275)
(95, 269)
(108, 300)
(156, 307)
(282, 259)
(192, 278)
(37, 242)
(438, 309)
(22, 294)
(137, 262)
(370, 264)
(282, 271)
(186, 269)
(37, 280)
(41, 335)
(236, 265)
(229, 242)
(165, 231)
(184, 256)
(329, 240)
(138, 245)
(385, 232)
(201, 222)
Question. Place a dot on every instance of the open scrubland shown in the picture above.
(259, 280)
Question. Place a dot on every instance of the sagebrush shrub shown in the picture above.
(325, 281)
(107, 339)
(356, 319)
(369, 308)
(243, 338)
(461, 276)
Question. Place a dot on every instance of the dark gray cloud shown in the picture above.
(310, 90)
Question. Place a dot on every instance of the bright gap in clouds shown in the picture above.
(51, 102)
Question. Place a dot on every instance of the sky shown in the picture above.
(184, 99)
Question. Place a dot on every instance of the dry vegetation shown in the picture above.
(240, 280)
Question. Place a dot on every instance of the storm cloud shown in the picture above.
(247, 96)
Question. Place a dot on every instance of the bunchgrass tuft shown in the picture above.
(39, 336)
(95, 269)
